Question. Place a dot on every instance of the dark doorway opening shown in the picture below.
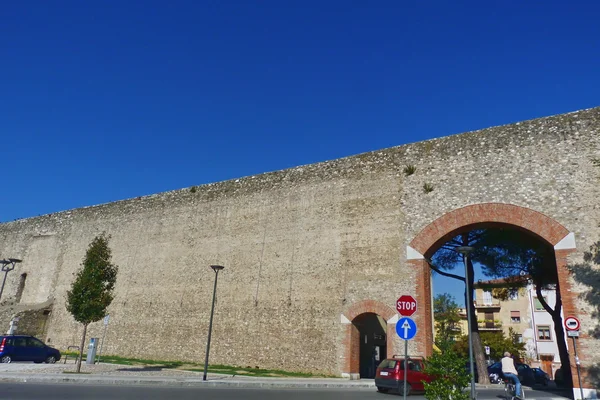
(373, 349)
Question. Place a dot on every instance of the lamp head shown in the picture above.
(217, 268)
(464, 250)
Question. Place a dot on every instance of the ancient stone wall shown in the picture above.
(301, 246)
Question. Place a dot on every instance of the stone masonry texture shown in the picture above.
(303, 248)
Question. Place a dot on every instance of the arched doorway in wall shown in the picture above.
(368, 337)
(493, 215)
(373, 346)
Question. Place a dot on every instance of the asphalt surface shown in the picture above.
(22, 391)
(30, 391)
(114, 382)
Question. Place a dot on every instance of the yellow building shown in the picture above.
(494, 315)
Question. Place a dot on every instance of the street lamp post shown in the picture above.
(215, 268)
(7, 266)
(465, 251)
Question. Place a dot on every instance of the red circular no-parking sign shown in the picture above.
(572, 324)
(406, 305)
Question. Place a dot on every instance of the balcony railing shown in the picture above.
(489, 324)
(481, 303)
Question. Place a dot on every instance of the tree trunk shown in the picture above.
(81, 348)
(562, 349)
(559, 333)
(478, 354)
(482, 371)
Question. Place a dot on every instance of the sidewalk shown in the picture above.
(114, 374)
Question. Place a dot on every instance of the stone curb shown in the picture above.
(137, 380)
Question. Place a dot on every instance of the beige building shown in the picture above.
(494, 315)
(522, 312)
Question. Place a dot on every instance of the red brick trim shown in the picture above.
(351, 343)
(486, 214)
(570, 309)
(369, 306)
(424, 315)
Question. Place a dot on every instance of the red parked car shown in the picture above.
(390, 375)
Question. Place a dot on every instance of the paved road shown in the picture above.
(21, 391)
(29, 391)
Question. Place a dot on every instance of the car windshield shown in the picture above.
(389, 363)
(414, 365)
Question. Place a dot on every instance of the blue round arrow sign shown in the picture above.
(406, 328)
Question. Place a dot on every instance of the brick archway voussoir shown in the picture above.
(369, 306)
(533, 221)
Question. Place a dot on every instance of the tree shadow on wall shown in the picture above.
(588, 273)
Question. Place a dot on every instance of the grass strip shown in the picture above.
(195, 367)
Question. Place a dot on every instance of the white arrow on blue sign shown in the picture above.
(406, 328)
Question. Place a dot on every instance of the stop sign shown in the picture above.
(406, 305)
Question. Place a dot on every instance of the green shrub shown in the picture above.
(451, 377)
(409, 170)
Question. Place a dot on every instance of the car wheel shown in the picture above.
(408, 389)
(382, 390)
(50, 360)
(5, 359)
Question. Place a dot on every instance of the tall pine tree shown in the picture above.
(92, 290)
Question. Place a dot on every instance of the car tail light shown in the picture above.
(397, 371)
(2, 344)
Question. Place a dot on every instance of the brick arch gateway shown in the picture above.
(351, 338)
(430, 238)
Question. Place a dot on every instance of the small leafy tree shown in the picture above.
(451, 378)
(498, 343)
(446, 316)
(92, 291)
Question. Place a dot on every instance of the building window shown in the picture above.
(538, 304)
(487, 298)
(515, 317)
(544, 332)
(513, 294)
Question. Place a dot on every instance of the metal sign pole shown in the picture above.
(106, 318)
(405, 366)
(577, 364)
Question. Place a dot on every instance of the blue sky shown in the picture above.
(102, 101)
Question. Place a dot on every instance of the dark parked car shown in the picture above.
(526, 374)
(541, 377)
(390, 375)
(558, 378)
(26, 348)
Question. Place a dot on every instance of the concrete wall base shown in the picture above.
(351, 376)
(590, 394)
